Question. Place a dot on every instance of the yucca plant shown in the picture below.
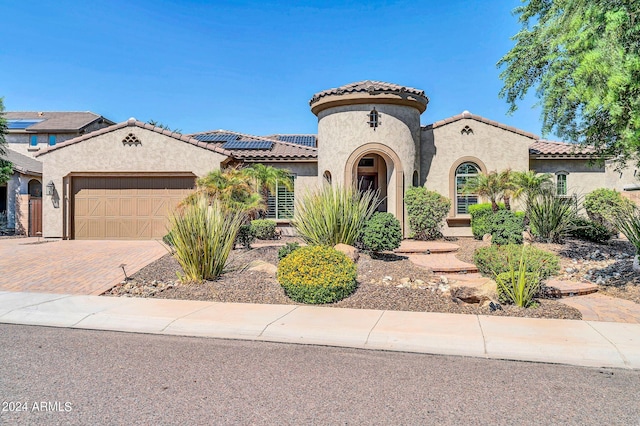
(203, 233)
(552, 218)
(518, 286)
(627, 221)
(334, 214)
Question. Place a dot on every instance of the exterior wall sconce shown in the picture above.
(50, 188)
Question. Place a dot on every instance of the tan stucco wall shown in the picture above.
(107, 153)
(445, 148)
(343, 130)
(582, 178)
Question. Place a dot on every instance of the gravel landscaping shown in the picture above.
(384, 282)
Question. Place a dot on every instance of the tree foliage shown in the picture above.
(583, 59)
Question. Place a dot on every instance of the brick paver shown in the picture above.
(416, 246)
(442, 263)
(599, 307)
(71, 267)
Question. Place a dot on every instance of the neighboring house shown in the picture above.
(31, 131)
(21, 196)
(27, 133)
(121, 181)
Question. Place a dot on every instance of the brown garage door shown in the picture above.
(125, 208)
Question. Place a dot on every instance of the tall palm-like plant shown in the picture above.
(531, 183)
(233, 187)
(267, 178)
(487, 185)
(510, 190)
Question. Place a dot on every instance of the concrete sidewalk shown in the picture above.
(584, 343)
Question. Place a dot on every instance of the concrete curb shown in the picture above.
(581, 343)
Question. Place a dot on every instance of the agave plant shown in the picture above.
(334, 214)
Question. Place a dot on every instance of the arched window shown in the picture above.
(464, 172)
(561, 183)
(416, 178)
(35, 188)
(374, 120)
(327, 177)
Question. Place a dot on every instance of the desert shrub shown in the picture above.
(519, 288)
(203, 235)
(627, 221)
(494, 260)
(552, 217)
(287, 249)
(264, 229)
(427, 211)
(381, 232)
(506, 227)
(334, 215)
(602, 205)
(480, 215)
(589, 230)
(246, 236)
(168, 239)
(317, 274)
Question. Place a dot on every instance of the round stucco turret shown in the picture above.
(371, 120)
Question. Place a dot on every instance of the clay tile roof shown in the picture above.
(543, 147)
(23, 163)
(56, 121)
(132, 122)
(467, 114)
(370, 86)
(279, 149)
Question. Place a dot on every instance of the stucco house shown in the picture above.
(120, 181)
(28, 132)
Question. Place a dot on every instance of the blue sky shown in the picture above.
(251, 66)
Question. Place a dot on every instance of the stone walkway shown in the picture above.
(441, 259)
(598, 307)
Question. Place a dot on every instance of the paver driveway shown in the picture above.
(71, 267)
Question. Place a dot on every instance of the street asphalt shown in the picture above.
(85, 377)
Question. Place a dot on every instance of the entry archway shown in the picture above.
(390, 175)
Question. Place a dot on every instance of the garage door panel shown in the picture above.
(125, 207)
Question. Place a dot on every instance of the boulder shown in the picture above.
(468, 295)
(486, 238)
(262, 266)
(351, 252)
(527, 237)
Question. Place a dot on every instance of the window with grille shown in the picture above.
(280, 205)
(464, 172)
(561, 184)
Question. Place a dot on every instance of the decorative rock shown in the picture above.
(405, 280)
(486, 238)
(387, 278)
(444, 279)
(262, 266)
(569, 270)
(527, 237)
(419, 282)
(351, 252)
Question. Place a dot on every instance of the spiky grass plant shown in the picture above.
(518, 286)
(552, 218)
(334, 214)
(203, 234)
(627, 221)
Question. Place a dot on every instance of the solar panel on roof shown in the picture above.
(216, 137)
(306, 140)
(248, 144)
(21, 124)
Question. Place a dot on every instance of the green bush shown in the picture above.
(203, 235)
(246, 236)
(589, 230)
(317, 274)
(494, 260)
(506, 227)
(517, 288)
(480, 214)
(264, 229)
(427, 211)
(334, 215)
(381, 232)
(551, 217)
(287, 250)
(168, 239)
(602, 205)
